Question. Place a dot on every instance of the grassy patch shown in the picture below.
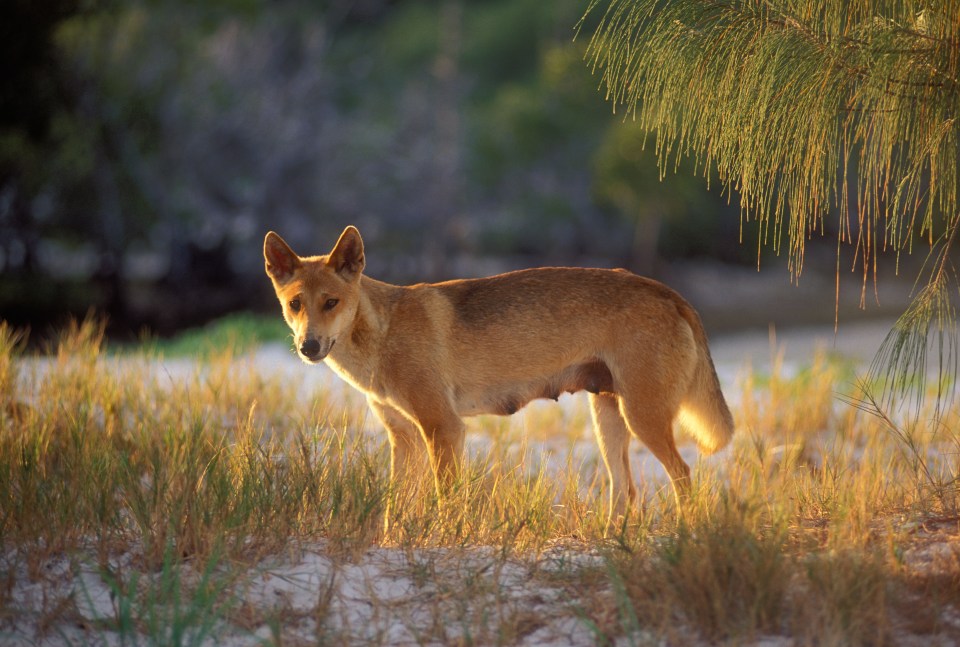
(236, 333)
(171, 493)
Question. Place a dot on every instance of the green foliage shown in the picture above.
(788, 104)
(410, 39)
(626, 178)
(525, 122)
(811, 111)
(240, 332)
(506, 36)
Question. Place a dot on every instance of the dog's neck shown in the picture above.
(355, 355)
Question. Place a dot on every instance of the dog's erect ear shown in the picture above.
(281, 261)
(347, 259)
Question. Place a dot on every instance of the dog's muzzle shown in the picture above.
(314, 350)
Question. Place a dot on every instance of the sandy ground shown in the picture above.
(856, 341)
(377, 597)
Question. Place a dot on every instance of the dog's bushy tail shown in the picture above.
(704, 413)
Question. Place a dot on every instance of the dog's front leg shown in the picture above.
(443, 431)
(406, 457)
(405, 445)
(613, 438)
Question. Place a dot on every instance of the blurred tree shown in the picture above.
(32, 96)
(810, 109)
(448, 146)
(155, 141)
(627, 179)
(530, 140)
(125, 138)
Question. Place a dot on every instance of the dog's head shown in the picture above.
(319, 294)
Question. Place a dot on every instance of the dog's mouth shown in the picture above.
(313, 351)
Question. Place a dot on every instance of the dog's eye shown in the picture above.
(295, 305)
(331, 304)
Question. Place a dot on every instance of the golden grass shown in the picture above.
(810, 526)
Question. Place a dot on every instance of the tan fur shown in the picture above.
(427, 355)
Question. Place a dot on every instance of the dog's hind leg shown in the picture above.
(652, 423)
(613, 437)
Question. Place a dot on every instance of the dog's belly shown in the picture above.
(510, 396)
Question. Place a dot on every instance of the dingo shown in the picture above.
(426, 355)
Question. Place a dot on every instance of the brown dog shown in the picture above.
(426, 355)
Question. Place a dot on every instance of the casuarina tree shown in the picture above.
(812, 111)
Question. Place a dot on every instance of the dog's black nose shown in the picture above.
(310, 348)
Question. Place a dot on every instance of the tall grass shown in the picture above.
(800, 529)
(799, 532)
(97, 453)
